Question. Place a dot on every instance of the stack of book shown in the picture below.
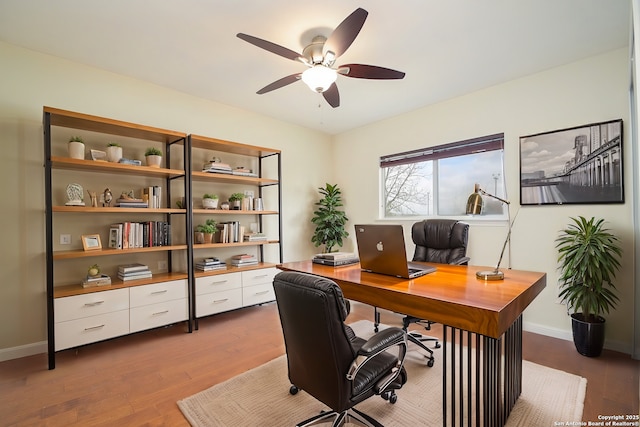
(133, 272)
(210, 264)
(336, 259)
(99, 280)
(241, 171)
(243, 260)
(217, 167)
(255, 237)
(131, 203)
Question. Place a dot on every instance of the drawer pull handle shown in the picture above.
(93, 304)
(262, 293)
(218, 282)
(260, 277)
(159, 292)
(93, 328)
(160, 312)
(218, 301)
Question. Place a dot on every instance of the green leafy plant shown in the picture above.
(94, 270)
(153, 151)
(589, 258)
(210, 196)
(113, 144)
(209, 227)
(236, 197)
(76, 139)
(328, 219)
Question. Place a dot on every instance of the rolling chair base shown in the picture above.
(340, 418)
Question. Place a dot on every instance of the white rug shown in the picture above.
(260, 397)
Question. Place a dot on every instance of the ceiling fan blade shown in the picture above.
(271, 47)
(280, 83)
(361, 71)
(345, 33)
(332, 96)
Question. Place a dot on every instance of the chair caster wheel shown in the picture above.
(393, 399)
(375, 329)
(429, 363)
(293, 390)
(437, 345)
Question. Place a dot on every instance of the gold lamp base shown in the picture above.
(490, 275)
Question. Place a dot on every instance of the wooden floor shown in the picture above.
(136, 380)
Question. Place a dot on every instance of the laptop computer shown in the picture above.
(381, 250)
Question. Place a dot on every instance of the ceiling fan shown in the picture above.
(320, 56)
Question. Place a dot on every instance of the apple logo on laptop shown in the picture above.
(379, 246)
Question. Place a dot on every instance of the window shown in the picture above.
(437, 181)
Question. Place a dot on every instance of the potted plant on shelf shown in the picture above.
(114, 152)
(210, 201)
(76, 147)
(328, 219)
(235, 200)
(153, 157)
(204, 232)
(589, 258)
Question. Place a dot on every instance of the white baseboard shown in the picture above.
(568, 336)
(23, 351)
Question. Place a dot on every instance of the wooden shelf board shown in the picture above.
(198, 141)
(71, 119)
(231, 245)
(77, 289)
(109, 167)
(232, 212)
(89, 209)
(60, 255)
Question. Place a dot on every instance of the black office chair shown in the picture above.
(326, 359)
(442, 241)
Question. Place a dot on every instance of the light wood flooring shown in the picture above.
(136, 380)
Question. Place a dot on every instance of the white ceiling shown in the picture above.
(447, 48)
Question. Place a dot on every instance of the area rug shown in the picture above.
(260, 397)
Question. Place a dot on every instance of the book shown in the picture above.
(337, 255)
(129, 268)
(135, 277)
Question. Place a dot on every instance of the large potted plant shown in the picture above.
(328, 219)
(589, 258)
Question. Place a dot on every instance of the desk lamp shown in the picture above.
(474, 207)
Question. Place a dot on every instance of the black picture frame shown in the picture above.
(578, 165)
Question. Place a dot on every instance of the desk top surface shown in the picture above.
(452, 295)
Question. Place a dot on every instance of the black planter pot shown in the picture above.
(588, 336)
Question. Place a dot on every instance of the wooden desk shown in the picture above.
(482, 328)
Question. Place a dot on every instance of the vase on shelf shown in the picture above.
(153, 160)
(114, 153)
(76, 150)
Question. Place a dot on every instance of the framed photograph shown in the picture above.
(91, 242)
(578, 165)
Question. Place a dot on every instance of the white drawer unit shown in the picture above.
(217, 283)
(81, 306)
(158, 292)
(257, 286)
(158, 314)
(72, 333)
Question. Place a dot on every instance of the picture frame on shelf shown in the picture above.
(91, 242)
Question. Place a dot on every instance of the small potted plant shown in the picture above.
(210, 201)
(204, 232)
(235, 200)
(589, 258)
(76, 147)
(114, 152)
(153, 157)
(94, 270)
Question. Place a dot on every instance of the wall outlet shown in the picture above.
(65, 239)
(162, 266)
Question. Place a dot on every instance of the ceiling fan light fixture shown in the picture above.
(319, 78)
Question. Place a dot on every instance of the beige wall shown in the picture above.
(579, 93)
(30, 81)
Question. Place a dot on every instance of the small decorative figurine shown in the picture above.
(94, 198)
(74, 195)
(108, 197)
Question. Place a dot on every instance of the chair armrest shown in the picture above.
(378, 343)
(461, 261)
